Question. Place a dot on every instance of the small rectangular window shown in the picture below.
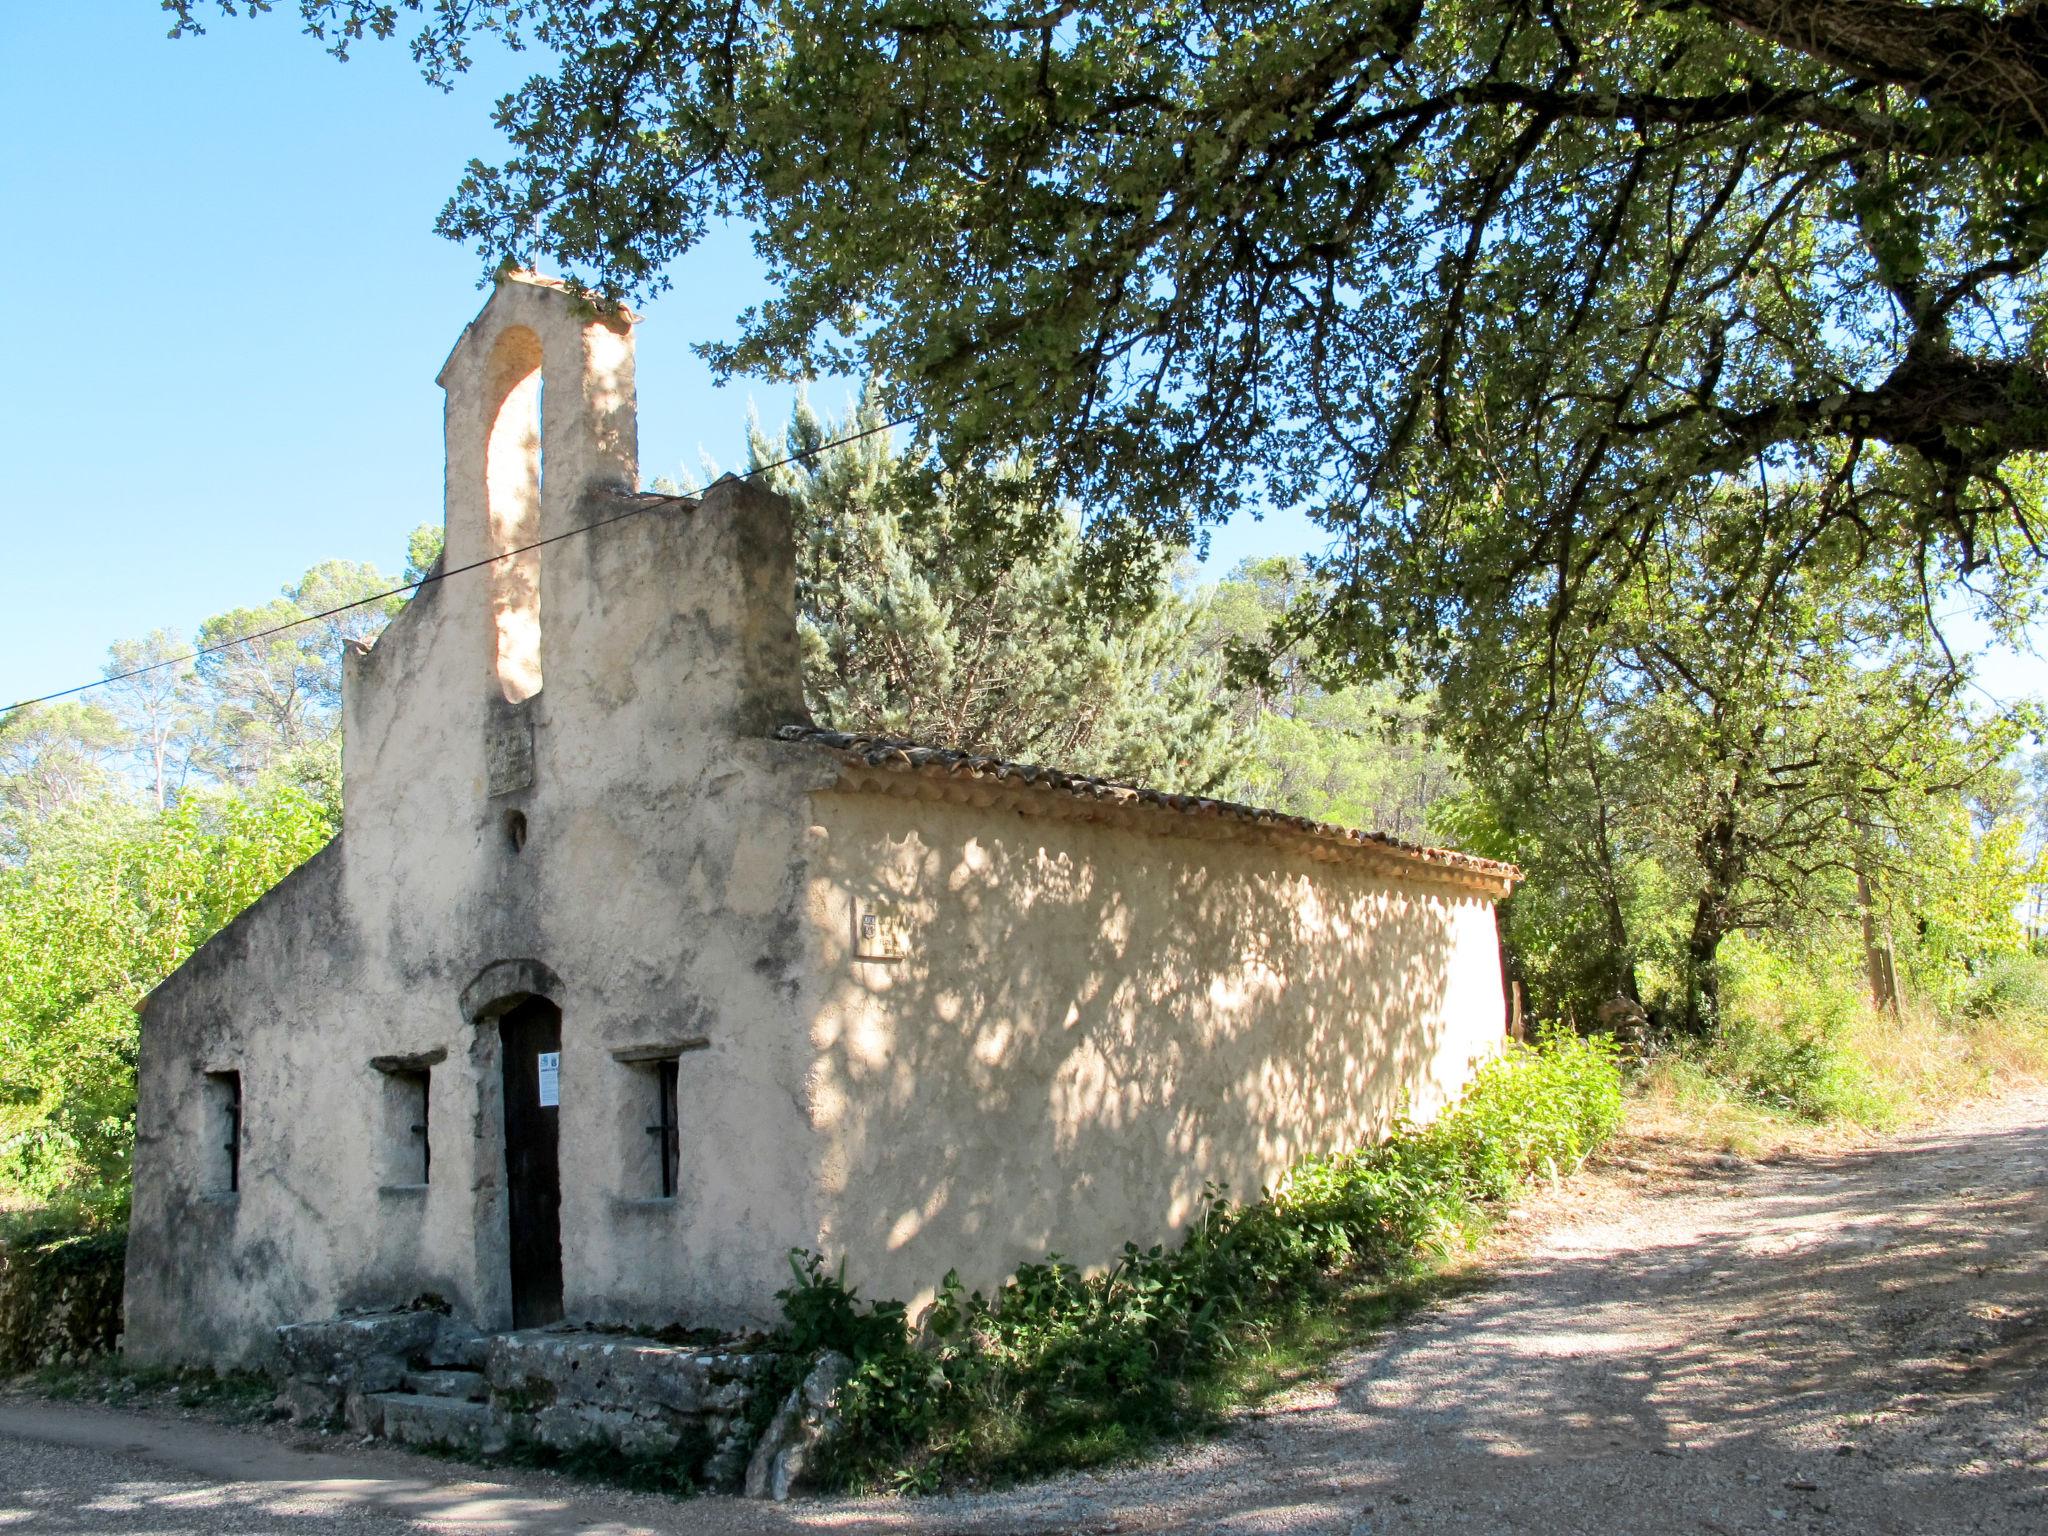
(223, 1130)
(669, 1142)
(408, 1146)
(651, 1130)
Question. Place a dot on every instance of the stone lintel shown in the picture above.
(658, 1051)
(410, 1061)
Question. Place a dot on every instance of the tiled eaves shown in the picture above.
(891, 765)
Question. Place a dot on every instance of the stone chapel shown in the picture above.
(622, 979)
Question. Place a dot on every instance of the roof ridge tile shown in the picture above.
(887, 751)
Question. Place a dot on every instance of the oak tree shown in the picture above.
(1764, 729)
(1482, 284)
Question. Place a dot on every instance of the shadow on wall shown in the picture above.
(1088, 1026)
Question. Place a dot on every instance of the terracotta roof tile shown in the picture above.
(945, 762)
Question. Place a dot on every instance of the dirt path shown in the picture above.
(1838, 1342)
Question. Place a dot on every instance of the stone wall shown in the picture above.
(60, 1296)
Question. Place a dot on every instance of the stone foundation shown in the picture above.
(421, 1379)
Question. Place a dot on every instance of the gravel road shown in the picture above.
(1849, 1341)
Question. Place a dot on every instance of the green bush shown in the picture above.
(88, 927)
(1066, 1368)
(1782, 1041)
(2011, 988)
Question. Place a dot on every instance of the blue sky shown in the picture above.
(226, 310)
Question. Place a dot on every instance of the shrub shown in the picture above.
(1783, 1040)
(1063, 1367)
(1799, 1043)
(2009, 988)
(88, 926)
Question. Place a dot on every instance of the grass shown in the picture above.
(236, 1397)
(1802, 1057)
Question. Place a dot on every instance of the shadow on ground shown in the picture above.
(1848, 1342)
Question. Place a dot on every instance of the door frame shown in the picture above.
(498, 988)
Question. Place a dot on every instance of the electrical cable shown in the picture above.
(430, 579)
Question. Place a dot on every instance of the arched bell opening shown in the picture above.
(512, 492)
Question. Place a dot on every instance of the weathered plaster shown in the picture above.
(1100, 1004)
(1090, 1024)
(664, 636)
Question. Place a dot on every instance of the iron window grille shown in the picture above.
(665, 1129)
(229, 1097)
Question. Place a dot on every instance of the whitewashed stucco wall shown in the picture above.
(1090, 1023)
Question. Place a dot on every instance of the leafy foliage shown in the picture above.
(2011, 986)
(153, 692)
(112, 872)
(1063, 1367)
(1784, 1039)
(88, 926)
(53, 759)
(1800, 1044)
(1746, 731)
(1360, 754)
(274, 695)
(1954, 907)
(1485, 286)
(423, 550)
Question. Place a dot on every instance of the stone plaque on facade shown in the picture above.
(508, 748)
(880, 932)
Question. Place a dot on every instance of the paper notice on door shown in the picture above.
(550, 1079)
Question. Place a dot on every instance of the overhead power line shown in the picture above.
(441, 575)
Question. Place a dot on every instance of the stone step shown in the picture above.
(448, 1423)
(468, 1385)
(371, 1352)
(621, 1370)
(426, 1380)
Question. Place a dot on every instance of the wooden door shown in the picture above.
(532, 1047)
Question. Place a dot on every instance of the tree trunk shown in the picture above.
(1721, 865)
(1702, 978)
(1878, 964)
(1624, 956)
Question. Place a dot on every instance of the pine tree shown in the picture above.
(912, 628)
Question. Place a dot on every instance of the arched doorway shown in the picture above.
(512, 1003)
